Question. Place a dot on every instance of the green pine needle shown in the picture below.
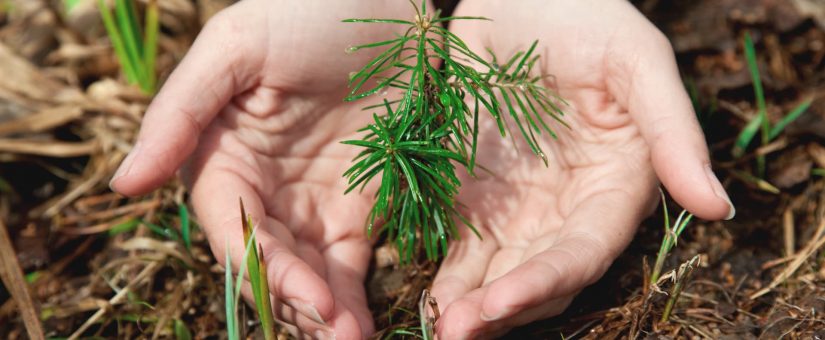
(414, 146)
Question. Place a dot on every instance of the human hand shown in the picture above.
(257, 108)
(550, 231)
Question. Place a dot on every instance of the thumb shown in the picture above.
(656, 99)
(218, 66)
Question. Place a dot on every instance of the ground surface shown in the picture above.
(66, 121)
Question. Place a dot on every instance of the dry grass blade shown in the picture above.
(168, 248)
(801, 256)
(42, 120)
(790, 237)
(22, 78)
(817, 153)
(96, 172)
(49, 148)
(133, 209)
(13, 279)
(147, 271)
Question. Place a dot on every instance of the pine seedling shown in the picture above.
(135, 52)
(415, 144)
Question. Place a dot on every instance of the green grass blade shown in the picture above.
(265, 307)
(681, 223)
(257, 273)
(231, 324)
(117, 41)
(131, 14)
(71, 4)
(746, 136)
(124, 227)
(789, 118)
(760, 122)
(185, 226)
(241, 271)
(254, 270)
(666, 212)
(758, 91)
(150, 46)
(166, 232)
(181, 331)
(130, 38)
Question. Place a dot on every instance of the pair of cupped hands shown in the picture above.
(255, 110)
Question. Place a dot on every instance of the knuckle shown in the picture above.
(225, 33)
(221, 24)
(660, 40)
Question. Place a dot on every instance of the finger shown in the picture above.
(217, 67)
(461, 318)
(596, 231)
(651, 89)
(464, 267)
(215, 193)
(347, 263)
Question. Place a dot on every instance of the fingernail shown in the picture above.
(126, 165)
(485, 317)
(307, 309)
(719, 190)
(324, 335)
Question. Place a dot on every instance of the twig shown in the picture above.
(12, 277)
(148, 270)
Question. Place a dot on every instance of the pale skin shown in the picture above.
(255, 110)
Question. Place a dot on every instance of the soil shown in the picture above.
(67, 119)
